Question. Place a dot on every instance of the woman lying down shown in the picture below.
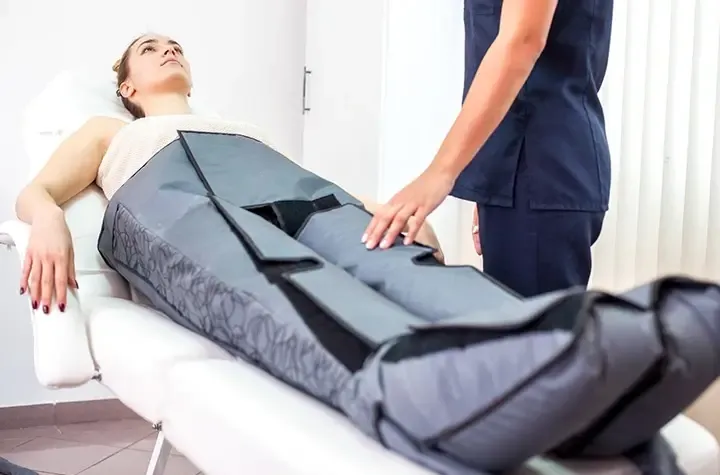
(234, 241)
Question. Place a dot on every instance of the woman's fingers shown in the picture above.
(61, 278)
(48, 277)
(47, 281)
(25, 274)
(34, 282)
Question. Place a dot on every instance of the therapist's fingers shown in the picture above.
(414, 225)
(379, 224)
(476, 240)
(396, 226)
(476, 232)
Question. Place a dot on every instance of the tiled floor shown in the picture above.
(98, 448)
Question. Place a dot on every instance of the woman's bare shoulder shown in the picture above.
(103, 128)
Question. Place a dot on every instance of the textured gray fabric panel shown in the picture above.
(437, 362)
(249, 318)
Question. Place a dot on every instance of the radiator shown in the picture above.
(662, 99)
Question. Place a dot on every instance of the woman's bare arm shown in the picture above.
(49, 263)
(72, 167)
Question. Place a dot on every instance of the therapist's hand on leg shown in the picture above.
(417, 200)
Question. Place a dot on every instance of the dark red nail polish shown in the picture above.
(22, 290)
(77, 286)
(34, 305)
(61, 307)
(46, 309)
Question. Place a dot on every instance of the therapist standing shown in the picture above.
(528, 146)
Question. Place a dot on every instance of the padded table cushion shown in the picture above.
(230, 417)
(135, 347)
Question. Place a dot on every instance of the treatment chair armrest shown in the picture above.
(14, 234)
(61, 347)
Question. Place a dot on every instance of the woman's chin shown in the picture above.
(175, 82)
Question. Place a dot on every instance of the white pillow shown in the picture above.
(67, 102)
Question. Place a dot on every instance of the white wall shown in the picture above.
(423, 83)
(247, 65)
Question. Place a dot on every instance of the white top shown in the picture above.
(138, 141)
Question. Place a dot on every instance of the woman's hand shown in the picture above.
(476, 232)
(49, 266)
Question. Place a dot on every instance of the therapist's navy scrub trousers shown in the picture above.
(542, 180)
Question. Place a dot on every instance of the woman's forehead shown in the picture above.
(151, 38)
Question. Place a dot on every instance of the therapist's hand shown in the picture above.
(476, 231)
(417, 200)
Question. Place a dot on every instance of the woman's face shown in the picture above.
(157, 65)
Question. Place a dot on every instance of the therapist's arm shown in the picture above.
(524, 27)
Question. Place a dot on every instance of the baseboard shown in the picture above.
(22, 417)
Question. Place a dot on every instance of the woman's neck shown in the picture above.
(166, 104)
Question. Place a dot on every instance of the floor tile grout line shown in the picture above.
(127, 447)
(138, 441)
(86, 443)
(100, 461)
(23, 443)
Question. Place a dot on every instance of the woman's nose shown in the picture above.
(169, 50)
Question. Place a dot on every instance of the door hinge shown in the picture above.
(306, 73)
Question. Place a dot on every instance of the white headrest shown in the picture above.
(73, 97)
(66, 103)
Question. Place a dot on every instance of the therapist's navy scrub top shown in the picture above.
(542, 179)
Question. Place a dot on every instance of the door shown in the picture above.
(344, 56)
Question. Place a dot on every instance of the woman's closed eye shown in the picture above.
(147, 49)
